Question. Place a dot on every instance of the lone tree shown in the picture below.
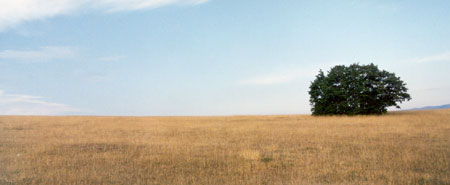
(356, 89)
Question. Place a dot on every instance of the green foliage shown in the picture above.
(266, 159)
(356, 89)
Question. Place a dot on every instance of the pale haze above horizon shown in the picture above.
(210, 57)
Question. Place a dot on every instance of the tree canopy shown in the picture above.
(356, 89)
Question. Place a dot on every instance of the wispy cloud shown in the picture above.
(15, 12)
(435, 58)
(269, 79)
(110, 58)
(39, 55)
(128, 5)
(286, 75)
(280, 76)
(19, 104)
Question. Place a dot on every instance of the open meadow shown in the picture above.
(396, 148)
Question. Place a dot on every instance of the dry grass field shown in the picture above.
(397, 148)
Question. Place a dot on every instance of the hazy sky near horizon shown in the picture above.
(210, 57)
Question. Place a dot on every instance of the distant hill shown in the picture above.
(446, 106)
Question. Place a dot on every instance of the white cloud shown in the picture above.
(435, 58)
(286, 75)
(14, 12)
(42, 54)
(18, 104)
(269, 79)
(281, 76)
(110, 58)
(127, 5)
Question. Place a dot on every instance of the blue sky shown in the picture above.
(209, 57)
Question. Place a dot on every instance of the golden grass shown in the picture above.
(397, 148)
